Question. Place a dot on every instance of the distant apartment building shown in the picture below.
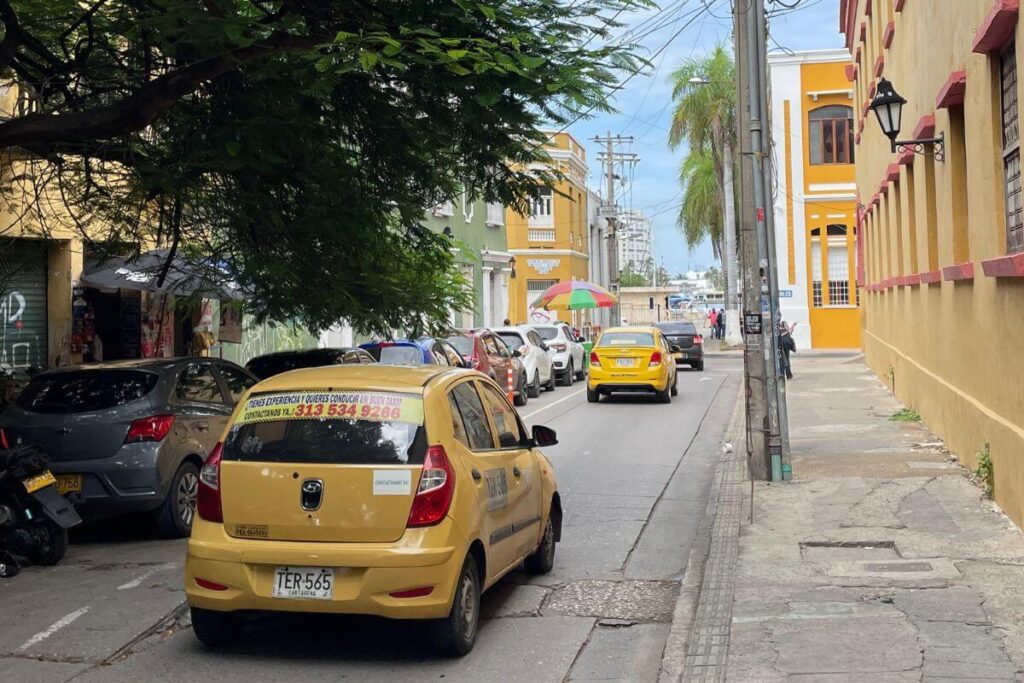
(816, 203)
(635, 242)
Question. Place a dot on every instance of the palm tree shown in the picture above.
(705, 119)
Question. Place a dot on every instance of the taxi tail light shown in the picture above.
(208, 496)
(594, 360)
(420, 592)
(655, 359)
(152, 428)
(698, 340)
(210, 585)
(435, 491)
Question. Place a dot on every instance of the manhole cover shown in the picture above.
(898, 567)
(640, 601)
(848, 551)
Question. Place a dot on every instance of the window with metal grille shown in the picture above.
(535, 287)
(816, 295)
(831, 135)
(1011, 149)
(838, 272)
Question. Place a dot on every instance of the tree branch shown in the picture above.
(12, 33)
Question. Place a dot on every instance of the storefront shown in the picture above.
(23, 305)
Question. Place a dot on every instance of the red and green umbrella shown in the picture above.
(574, 295)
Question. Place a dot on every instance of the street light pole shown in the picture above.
(610, 212)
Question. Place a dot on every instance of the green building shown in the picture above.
(478, 231)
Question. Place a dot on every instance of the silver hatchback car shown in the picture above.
(129, 436)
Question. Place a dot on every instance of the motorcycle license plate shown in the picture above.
(39, 481)
(66, 483)
(316, 583)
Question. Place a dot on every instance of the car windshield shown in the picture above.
(462, 344)
(351, 428)
(512, 339)
(677, 328)
(401, 355)
(547, 333)
(268, 366)
(626, 339)
(79, 392)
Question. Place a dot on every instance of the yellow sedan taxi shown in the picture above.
(632, 359)
(401, 492)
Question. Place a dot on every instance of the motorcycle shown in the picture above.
(34, 516)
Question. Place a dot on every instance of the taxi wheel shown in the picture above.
(593, 395)
(543, 559)
(214, 628)
(675, 385)
(456, 634)
(665, 396)
(534, 391)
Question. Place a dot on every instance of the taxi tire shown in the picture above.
(449, 633)
(665, 396)
(542, 560)
(214, 629)
(593, 395)
(534, 391)
(675, 385)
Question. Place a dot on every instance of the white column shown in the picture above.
(485, 297)
(502, 294)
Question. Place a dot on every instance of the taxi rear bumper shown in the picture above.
(641, 379)
(364, 573)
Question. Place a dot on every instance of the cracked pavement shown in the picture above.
(882, 561)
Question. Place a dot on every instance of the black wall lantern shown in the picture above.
(888, 107)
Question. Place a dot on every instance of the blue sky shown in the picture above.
(644, 107)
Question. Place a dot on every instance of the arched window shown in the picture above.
(831, 135)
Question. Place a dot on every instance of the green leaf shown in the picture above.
(368, 59)
(233, 148)
(457, 54)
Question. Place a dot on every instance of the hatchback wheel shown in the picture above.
(214, 628)
(456, 634)
(593, 395)
(567, 376)
(543, 558)
(174, 517)
(550, 386)
(535, 385)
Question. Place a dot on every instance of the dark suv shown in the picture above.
(687, 346)
(129, 436)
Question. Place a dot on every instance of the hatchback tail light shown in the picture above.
(558, 346)
(594, 360)
(655, 359)
(152, 428)
(208, 496)
(698, 340)
(435, 491)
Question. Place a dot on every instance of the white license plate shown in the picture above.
(316, 583)
(624, 362)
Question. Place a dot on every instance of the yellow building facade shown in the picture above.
(552, 244)
(942, 265)
(816, 203)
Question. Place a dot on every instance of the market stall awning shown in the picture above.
(184, 277)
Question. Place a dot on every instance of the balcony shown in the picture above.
(541, 234)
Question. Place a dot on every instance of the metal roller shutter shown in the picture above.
(23, 341)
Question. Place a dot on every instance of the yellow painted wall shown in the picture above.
(832, 326)
(571, 244)
(951, 349)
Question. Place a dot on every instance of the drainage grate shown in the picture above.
(898, 567)
(848, 551)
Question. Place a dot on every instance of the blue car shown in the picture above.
(422, 351)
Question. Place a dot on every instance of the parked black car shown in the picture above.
(686, 344)
(275, 363)
(129, 436)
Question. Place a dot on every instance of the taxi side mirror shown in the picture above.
(544, 436)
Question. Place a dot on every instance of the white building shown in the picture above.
(635, 243)
(600, 274)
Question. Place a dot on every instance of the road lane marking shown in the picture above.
(553, 403)
(54, 627)
(136, 582)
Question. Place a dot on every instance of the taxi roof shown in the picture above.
(354, 376)
(631, 328)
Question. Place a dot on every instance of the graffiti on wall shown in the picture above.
(258, 339)
(17, 351)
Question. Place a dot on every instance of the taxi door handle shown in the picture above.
(517, 472)
(476, 474)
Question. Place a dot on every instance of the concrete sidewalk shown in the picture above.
(881, 561)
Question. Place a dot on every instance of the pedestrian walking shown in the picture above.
(721, 323)
(713, 322)
(786, 347)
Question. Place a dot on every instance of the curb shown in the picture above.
(676, 658)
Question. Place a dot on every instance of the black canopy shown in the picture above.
(141, 273)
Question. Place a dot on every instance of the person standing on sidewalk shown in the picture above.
(713, 322)
(786, 346)
(721, 323)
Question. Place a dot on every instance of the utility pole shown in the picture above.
(609, 210)
(755, 383)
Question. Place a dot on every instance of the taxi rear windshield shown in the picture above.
(626, 339)
(329, 427)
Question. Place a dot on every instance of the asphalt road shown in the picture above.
(634, 477)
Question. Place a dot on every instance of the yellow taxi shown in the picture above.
(401, 492)
(632, 359)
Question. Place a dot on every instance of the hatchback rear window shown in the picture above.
(340, 428)
(547, 333)
(463, 345)
(401, 355)
(626, 339)
(677, 328)
(80, 392)
(512, 340)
